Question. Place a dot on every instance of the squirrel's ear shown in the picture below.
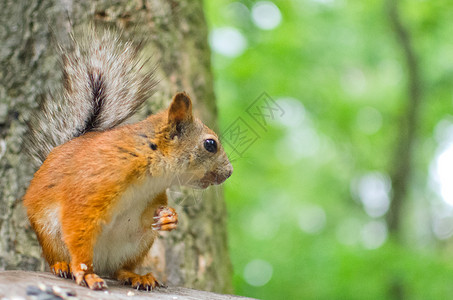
(180, 111)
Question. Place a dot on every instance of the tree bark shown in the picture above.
(175, 33)
(29, 285)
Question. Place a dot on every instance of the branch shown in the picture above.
(23, 284)
(400, 174)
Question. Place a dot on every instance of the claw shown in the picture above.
(139, 282)
(161, 285)
(100, 286)
(165, 219)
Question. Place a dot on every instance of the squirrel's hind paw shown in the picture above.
(140, 282)
(146, 282)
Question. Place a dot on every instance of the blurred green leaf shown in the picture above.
(290, 200)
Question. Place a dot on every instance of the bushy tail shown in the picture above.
(104, 83)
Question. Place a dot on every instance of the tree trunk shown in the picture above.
(401, 169)
(175, 32)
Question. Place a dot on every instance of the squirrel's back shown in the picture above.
(104, 82)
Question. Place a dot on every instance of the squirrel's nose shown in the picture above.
(229, 170)
(224, 174)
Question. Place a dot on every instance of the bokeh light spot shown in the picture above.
(312, 219)
(443, 173)
(259, 225)
(374, 234)
(443, 227)
(266, 15)
(373, 191)
(227, 41)
(258, 272)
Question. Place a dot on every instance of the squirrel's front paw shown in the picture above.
(165, 218)
(61, 269)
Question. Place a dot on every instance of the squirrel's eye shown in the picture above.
(210, 145)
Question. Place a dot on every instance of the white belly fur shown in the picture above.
(123, 236)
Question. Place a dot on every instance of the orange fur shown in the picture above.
(86, 185)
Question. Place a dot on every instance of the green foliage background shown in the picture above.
(341, 61)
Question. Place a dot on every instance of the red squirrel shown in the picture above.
(99, 197)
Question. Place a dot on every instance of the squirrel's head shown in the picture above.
(199, 158)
